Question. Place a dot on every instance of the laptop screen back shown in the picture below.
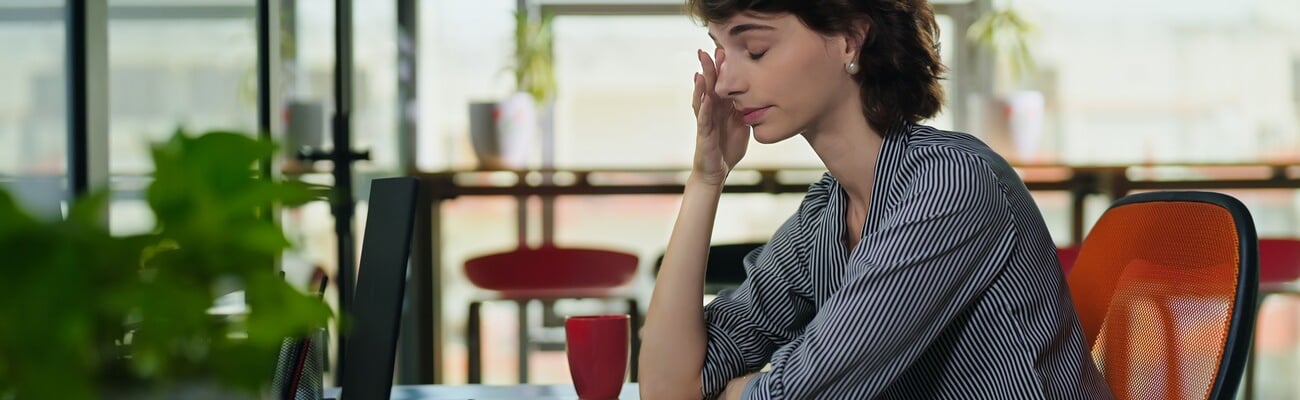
(381, 281)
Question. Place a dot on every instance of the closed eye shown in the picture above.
(755, 56)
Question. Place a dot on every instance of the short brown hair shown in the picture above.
(899, 58)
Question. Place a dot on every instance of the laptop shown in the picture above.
(371, 346)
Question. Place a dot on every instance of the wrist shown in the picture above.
(715, 181)
(736, 387)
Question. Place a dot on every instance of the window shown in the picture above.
(173, 65)
(1170, 81)
(33, 121)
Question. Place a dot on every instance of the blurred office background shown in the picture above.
(1134, 82)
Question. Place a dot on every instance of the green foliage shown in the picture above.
(534, 67)
(1006, 33)
(72, 291)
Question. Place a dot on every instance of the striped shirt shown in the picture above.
(953, 292)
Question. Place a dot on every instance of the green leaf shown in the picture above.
(264, 238)
(90, 210)
(296, 193)
(80, 288)
(1005, 33)
(12, 216)
(534, 48)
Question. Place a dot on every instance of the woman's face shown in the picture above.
(783, 77)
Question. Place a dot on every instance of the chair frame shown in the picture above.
(726, 263)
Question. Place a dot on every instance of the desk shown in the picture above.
(490, 392)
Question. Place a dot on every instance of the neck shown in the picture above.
(848, 147)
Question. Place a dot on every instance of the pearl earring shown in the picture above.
(851, 68)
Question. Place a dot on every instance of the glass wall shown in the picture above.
(1169, 81)
(374, 81)
(173, 65)
(33, 121)
(1175, 82)
(465, 48)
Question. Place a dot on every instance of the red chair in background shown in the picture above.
(1066, 255)
(1279, 269)
(1279, 265)
(548, 273)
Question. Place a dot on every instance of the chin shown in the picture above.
(769, 134)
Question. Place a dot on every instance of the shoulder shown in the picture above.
(952, 160)
(942, 170)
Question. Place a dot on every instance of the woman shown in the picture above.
(918, 267)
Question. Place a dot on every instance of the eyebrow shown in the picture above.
(742, 28)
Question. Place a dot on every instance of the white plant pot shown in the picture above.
(1025, 111)
(1014, 125)
(503, 133)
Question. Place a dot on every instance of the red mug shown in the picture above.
(597, 347)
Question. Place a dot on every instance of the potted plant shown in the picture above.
(87, 314)
(503, 132)
(534, 68)
(1005, 33)
(1018, 111)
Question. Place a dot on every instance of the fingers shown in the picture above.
(698, 97)
(720, 56)
(710, 71)
(703, 103)
(704, 87)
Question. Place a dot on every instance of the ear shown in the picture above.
(853, 40)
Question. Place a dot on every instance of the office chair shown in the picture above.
(376, 314)
(726, 267)
(1165, 285)
(1066, 255)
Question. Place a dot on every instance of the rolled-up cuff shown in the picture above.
(723, 361)
(750, 387)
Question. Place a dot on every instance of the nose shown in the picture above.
(731, 80)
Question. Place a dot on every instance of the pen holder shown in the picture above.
(300, 369)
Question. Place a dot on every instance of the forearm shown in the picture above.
(673, 337)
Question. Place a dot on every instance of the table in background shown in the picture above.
(490, 392)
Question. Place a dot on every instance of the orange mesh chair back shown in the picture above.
(1165, 286)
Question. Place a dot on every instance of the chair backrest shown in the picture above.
(726, 267)
(551, 267)
(1165, 286)
(381, 283)
(1279, 260)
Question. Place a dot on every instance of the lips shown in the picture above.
(753, 115)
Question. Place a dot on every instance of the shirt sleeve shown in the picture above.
(936, 252)
(747, 325)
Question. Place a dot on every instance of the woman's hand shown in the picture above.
(736, 387)
(721, 134)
